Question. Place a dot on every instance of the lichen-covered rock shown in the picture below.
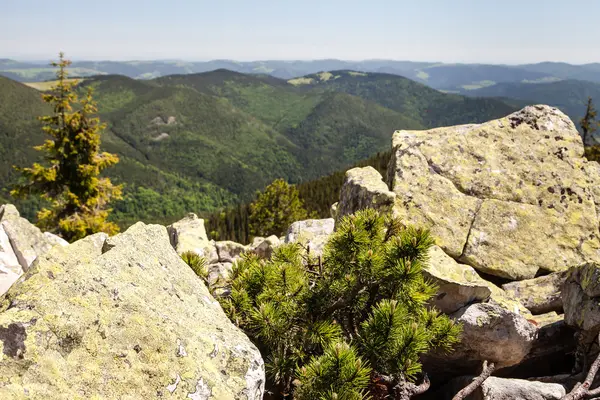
(229, 251)
(581, 297)
(539, 295)
(493, 333)
(55, 240)
(364, 188)
(458, 285)
(495, 388)
(26, 240)
(189, 234)
(311, 233)
(264, 248)
(121, 318)
(218, 274)
(509, 197)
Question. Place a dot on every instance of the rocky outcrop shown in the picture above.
(26, 240)
(458, 285)
(122, 317)
(189, 234)
(539, 295)
(228, 251)
(581, 298)
(509, 197)
(311, 233)
(495, 388)
(264, 247)
(363, 188)
(20, 244)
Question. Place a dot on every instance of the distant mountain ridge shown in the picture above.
(443, 76)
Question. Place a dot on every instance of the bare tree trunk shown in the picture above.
(478, 381)
(582, 389)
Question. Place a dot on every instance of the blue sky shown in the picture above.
(486, 31)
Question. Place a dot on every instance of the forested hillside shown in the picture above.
(201, 142)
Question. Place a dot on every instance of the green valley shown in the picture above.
(201, 142)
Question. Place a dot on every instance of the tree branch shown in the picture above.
(470, 388)
(582, 390)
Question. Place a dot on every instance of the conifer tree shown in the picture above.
(275, 209)
(588, 123)
(350, 326)
(69, 179)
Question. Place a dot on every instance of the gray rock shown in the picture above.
(218, 274)
(229, 251)
(581, 297)
(458, 285)
(124, 319)
(364, 188)
(493, 333)
(510, 197)
(539, 295)
(495, 388)
(265, 248)
(55, 240)
(313, 233)
(189, 234)
(26, 240)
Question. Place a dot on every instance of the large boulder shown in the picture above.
(495, 388)
(459, 285)
(581, 298)
(189, 234)
(493, 333)
(539, 295)
(311, 233)
(229, 251)
(264, 247)
(125, 318)
(363, 188)
(510, 197)
(26, 240)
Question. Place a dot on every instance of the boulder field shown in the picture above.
(512, 204)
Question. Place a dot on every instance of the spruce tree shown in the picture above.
(349, 326)
(69, 179)
(275, 209)
(588, 123)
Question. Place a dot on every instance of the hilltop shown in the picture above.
(449, 77)
(203, 141)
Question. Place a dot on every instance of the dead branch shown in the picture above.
(478, 381)
(582, 389)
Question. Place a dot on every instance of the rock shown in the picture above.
(265, 248)
(26, 240)
(218, 274)
(581, 297)
(509, 197)
(55, 240)
(495, 334)
(458, 285)
(229, 251)
(364, 188)
(548, 318)
(189, 234)
(539, 295)
(490, 332)
(313, 233)
(495, 388)
(124, 319)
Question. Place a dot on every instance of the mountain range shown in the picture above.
(199, 142)
(451, 77)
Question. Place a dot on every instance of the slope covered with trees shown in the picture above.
(201, 142)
